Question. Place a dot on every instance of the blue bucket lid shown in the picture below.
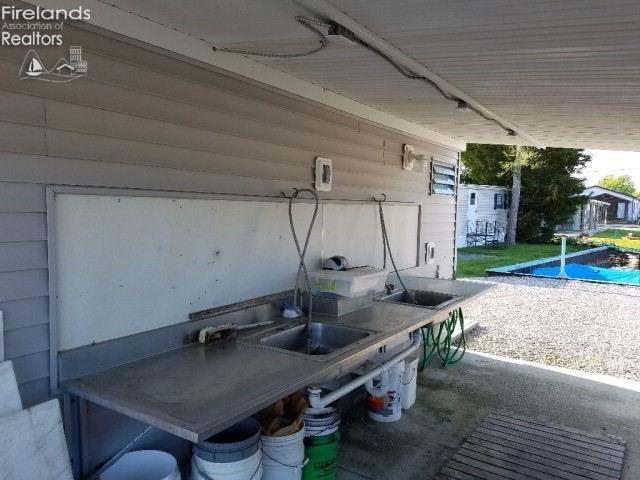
(236, 443)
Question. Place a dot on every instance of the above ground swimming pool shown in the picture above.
(602, 264)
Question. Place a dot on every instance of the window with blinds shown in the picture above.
(443, 179)
(500, 201)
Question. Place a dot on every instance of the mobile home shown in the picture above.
(589, 218)
(621, 207)
(481, 214)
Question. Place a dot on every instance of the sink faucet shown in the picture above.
(302, 267)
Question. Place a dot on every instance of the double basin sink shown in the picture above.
(323, 340)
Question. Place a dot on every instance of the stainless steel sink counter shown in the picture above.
(197, 390)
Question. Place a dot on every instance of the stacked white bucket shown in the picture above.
(283, 457)
(234, 454)
(249, 468)
(241, 453)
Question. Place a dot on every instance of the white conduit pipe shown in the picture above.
(317, 401)
(327, 11)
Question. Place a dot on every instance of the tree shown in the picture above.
(521, 157)
(487, 164)
(516, 186)
(619, 183)
(550, 192)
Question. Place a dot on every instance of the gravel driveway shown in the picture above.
(579, 325)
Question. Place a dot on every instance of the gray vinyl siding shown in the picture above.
(461, 212)
(23, 285)
(142, 120)
(439, 226)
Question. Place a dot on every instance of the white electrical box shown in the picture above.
(324, 174)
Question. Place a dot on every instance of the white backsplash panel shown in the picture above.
(128, 264)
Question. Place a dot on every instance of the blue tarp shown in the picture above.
(590, 272)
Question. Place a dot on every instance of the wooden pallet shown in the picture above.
(509, 447)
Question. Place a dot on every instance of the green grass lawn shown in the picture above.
(619, 237)
(501, 257)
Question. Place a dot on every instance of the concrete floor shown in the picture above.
(452, 401)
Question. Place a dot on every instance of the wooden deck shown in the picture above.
(509, 447)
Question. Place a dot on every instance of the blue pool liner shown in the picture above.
(590, 272)
(576, 271)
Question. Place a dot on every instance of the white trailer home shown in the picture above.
(620, 207)
(481, 214)
(588, 219)
(150, 153)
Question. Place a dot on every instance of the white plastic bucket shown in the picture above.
(283, 457)
(248, 469)
(233, 454)
(320, 422)
(409, 379)
(144, 465)
(385, 393)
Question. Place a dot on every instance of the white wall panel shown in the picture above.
(354, 231)
(130, 264)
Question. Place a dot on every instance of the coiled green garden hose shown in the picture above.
(444, 347)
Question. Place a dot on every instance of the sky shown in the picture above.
(607, 162)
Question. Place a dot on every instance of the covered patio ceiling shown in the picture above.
(559, 73)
